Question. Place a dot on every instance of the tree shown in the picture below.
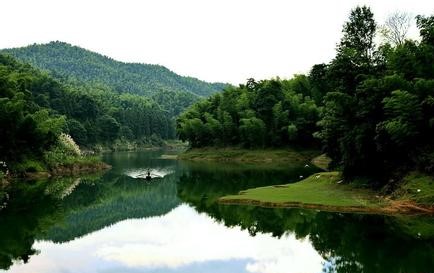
(108, 128)
(396, 27)
(214, 127)
(77, 131)
(426, 27)
(354, 59)
(253, 132)
(403, 112)
(319, 82)
(359, 33)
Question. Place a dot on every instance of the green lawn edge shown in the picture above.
(326, 191)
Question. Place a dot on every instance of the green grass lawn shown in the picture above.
(321, 189)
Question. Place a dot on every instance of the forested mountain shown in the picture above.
(36, 109)
(53, 89)
(371, 107)
(76, 63)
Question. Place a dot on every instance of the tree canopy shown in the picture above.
(36, 109)
(371, 107)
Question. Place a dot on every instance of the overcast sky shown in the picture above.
(221, 40)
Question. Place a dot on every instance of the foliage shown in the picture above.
(33, 101)
(169, 90)
(248, 155)
(64, 152)
(258, 114)
(371, 107)
(28, 166)
(376, 119)
(416, 187)
(68, 145)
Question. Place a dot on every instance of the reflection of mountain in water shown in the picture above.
(349, 242)
(93, 206)
(63, 209)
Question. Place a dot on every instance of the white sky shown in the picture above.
(219, 40)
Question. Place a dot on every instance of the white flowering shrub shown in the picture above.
(64, 152)
(68, 144)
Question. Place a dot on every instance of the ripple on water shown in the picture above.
(143, 172)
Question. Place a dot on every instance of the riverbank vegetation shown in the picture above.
(248, 155)
(371, 109)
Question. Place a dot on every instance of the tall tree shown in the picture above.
(359, 33)
(396, 27)
(354, 58)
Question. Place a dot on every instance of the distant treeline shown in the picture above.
(371, 108)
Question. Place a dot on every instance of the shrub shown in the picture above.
(64, 151)
(29, 166)
(67, 143)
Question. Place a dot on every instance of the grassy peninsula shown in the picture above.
(327, 191)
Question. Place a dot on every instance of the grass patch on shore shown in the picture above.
(416, 187)
(322, 189)
(246, 155)
(325, 191)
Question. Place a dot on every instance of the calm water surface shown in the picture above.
(119, 222)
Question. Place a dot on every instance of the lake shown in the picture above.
(120, 222)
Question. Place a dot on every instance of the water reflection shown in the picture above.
(113, 222)
(348, 242)
(176, 242)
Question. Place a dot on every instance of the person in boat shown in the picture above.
(148, 177)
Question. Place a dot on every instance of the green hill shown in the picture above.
(76, 63)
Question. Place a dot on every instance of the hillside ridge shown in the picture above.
(70, 61)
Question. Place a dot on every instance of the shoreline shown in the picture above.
(75, 169)
(399, 208)
(60, 171)
(236, 154)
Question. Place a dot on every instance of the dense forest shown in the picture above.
(52, 91)
(37, 109)
(371, 109)
(74, 64)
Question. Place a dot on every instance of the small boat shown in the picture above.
(148, 177)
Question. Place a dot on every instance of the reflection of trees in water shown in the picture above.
(93, 206)
(213, 180)
(18, 228)
(349, 242)
(95, 203)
